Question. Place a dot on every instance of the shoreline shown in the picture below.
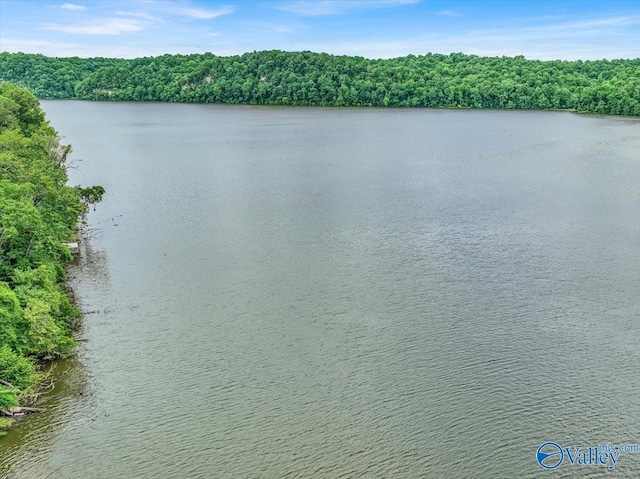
(36, 401)
(358, 107)
(40, 226)
(280, 78)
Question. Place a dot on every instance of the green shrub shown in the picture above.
(16, 369)
(7, 398)
(4, 425)
(39, 212)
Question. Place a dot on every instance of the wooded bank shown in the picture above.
(39, 213)
(306, 78)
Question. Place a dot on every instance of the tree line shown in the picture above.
(319, 79)
(39, 214)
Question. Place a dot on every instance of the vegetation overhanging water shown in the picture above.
(39, 216)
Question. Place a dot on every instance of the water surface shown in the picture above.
(277, 292)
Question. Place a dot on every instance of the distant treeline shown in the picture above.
(306, 78)
(39, 213)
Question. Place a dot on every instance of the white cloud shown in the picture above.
(143, 15)
(130, 31)
(577, 31)
(335, 7)
(86, 49)
(586, 26)
(71, 6)
(202, 14)
(371, 49)
(108, 26)
(448, 13)
(557, 41)
(43, 47)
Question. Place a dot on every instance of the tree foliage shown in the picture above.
(306, 78)
(38, 214)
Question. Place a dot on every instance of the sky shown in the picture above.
(543, 29)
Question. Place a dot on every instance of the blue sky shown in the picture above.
(544, 29)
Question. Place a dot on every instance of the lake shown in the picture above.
(375, 293)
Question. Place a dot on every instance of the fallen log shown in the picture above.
(30, 410)
(24, 410)
(6, 383)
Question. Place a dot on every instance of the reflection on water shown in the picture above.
(26, 448)
(24, 452)
(348, 293)
(92, 266)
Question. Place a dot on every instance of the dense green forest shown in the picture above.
(39, 212)
(305, 78)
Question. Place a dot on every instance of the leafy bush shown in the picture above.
(16, 369)
(39, 212)
(4, 425)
